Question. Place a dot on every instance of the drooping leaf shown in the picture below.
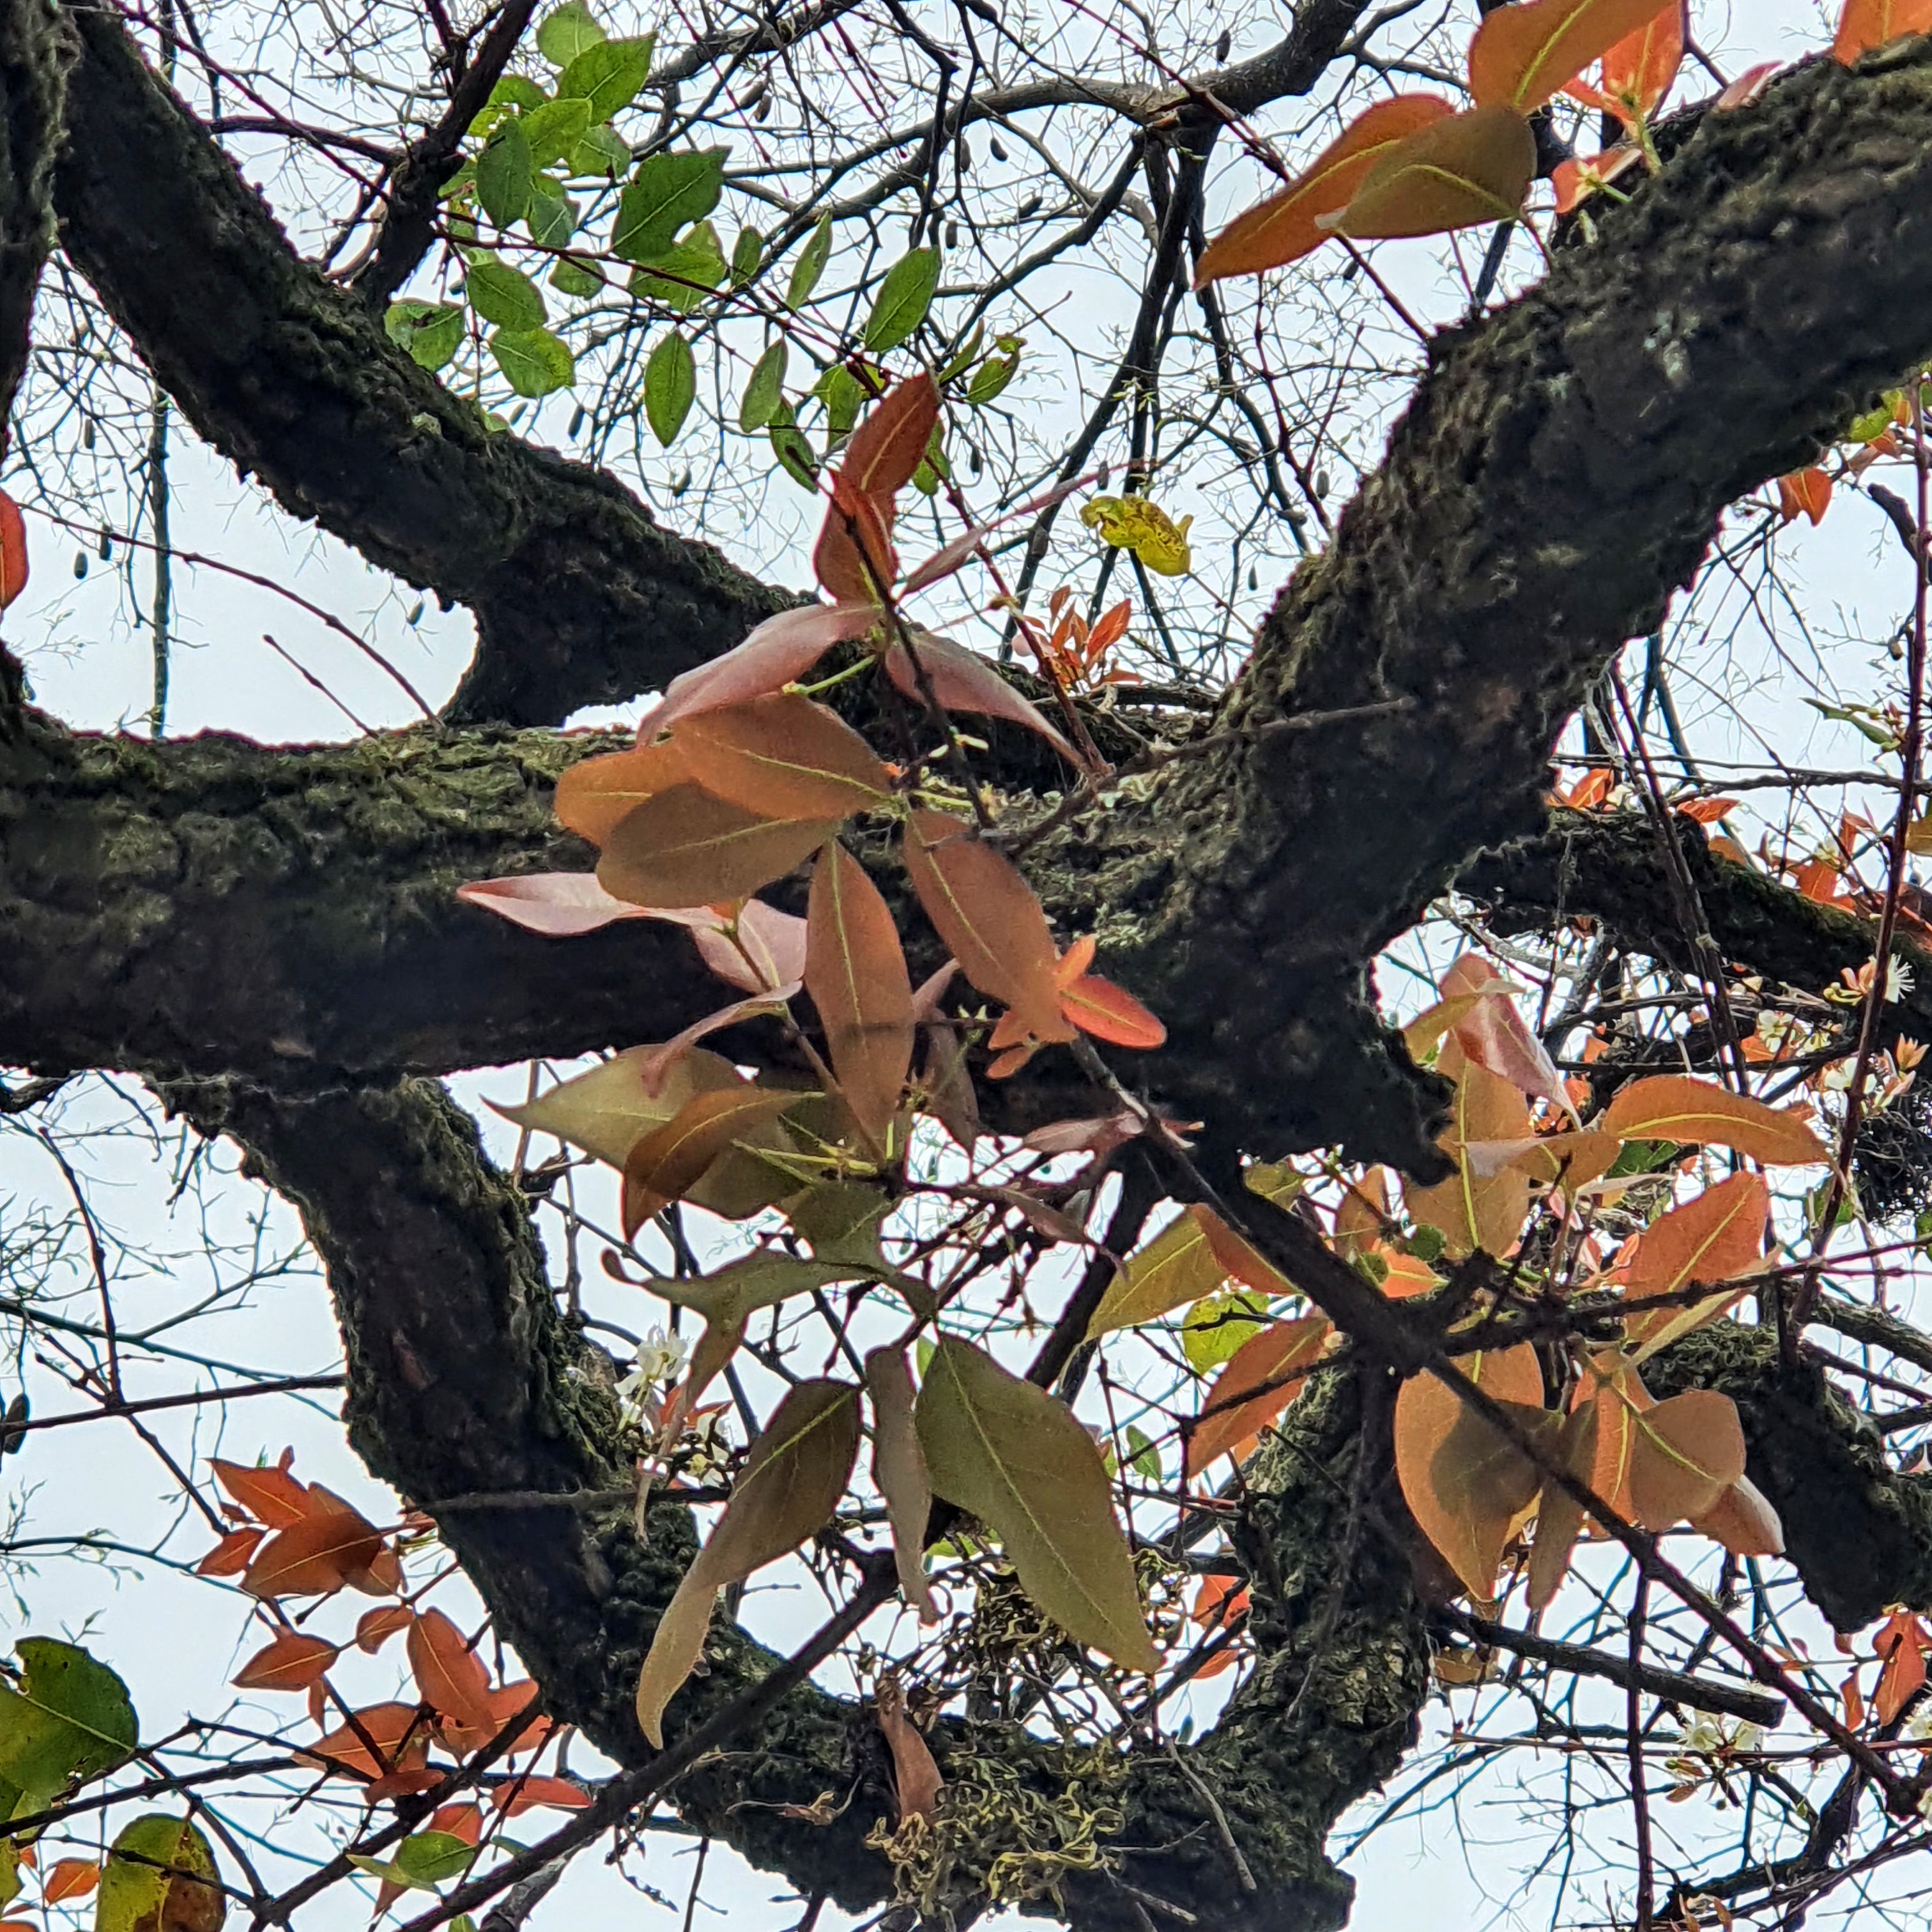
(1674, 1107)
(899, 1473)
(1474, 1211)
(782, 648)
(1282, 229)
(854, 560)
(987, 916)
(790, 1483)
(670, 1159)
(397, 1731)
(671, 387)
(1559, 1516)
(449, 1675)
(1261, 1378)
(962, 681)
(292, 1662)
(1177, 1267)
(1524, 55)
(764, 388)
(1466, 169)
(915, 1779)
(375, 1628)
(904, 297)
(160, 1877)
(1865, 25)
(1688, 1451)
(887, 446)
(1743, 1520)
(855, 971)
(1015, 1458)
(68, 1720)
(685, 848)
(1716, 1237)
(782, 756)
(670, 189)
(810, 265)
(558, 905)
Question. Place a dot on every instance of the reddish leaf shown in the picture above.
(450, 1676)
(672, 1158)
(269, 1494)
(1523, 55)
(374, 1628)
(961, 682)
(334, 1545)
(685, 848)
(763, 948)
(1687, 1452)
(460, 1820)
(1469, 168)
(1559, 1515)
(891, 442)
(229, 1557)
(595, 796)
(854, 560)
(1716, 1238)
(558, 905)
(1674, 1107)
(915, 1779)
(1901, 1643)
(1108, 1011)
(1639, 70)
(655, 1062)
(1863, 25)
(1804, 493)
(943, 562)
(1275, 1360)
(783, 757)
(293, 1662)
(385, 1725)
(1101, 1134)
(1748, 87)
(1283, 228)
(12, 550)
(528, 1794)
(988, 918)
(70, 1878)
(855, 971)
(1744, 1521)
(781, 649)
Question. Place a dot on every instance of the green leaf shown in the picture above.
(603, 152)
(791, 1482)
(991, 378)
(843, 396)
(431, 1857)
(764, 389)
(574, 275)
(793, 451)
(69, 1721)
(555, 129)
(955, 364)
(534, 362)
(610, 76)
(904, 297)
(748, 253)
(552, 216)
(671, 387)
(1177, 1266)
(502, 295)
(139, 1890)
(1016, 1459)
(1215, 1329)
(680, 278)
(668, 191)
(568, 31)
(810, 265)
(503, 171)
(431, 331)
(513, 94)
(1143, 1458)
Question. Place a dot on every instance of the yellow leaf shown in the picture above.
(1178, 1266)
(1133, 523)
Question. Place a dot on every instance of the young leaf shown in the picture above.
(1639, 70)
(685, 847)
(1523, 55)
(904, 297)
(887, 447)
(1469, 168)
(1559, 1516)
(292, 1662)
(1687, 1452)
(1275, 1363)
(558, 905)
(229, 1557)
(764, 388)
(671, 387)
(792, 1480)
(1016, 1459)
(335, 1544)
(854, 560)
(762, 949)
(1282, 229)
(1178, 1266)
(269, 1494)
(962, 681)
(448, 1674)
(608, 1110)
(784, 756)
(1463, 1481)
(781, 649)
(988, 918)
(70, 1878)
(1716, 1238)
(810, 265)
(899, 1473)
(1674, 1107)
(1743, 1521)
(855, 971)
(555, 129)
(670, 1159)
(1867, 24)
(1110, 1012)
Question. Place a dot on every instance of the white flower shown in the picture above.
(1898, 978)
(1703, 1734)
(659, 1358)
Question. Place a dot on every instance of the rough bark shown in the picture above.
(580, 596)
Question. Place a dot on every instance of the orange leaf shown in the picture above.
(891, 442)
(1283, 228)
(375, 1628)
(671, 1159)
(526, 1794)
(855, 971)
(1674, 1107)
(1716, 1238)
(1110, 1012)
(70, 1878)
(1863, 25)
(1639, 70)
(1901, 1642)
(385, 1725)
(1558, 1515)
(1276, 1361)
(451, 1679)
(1469, 168)
(595, 795)
(460, 1820)
(229, 1557)
(1687, 1452)
(1743, 1520)
(1804, 493)
(269, 1494)
(1621, 1398)
(782, 757)
(1472, 1210)
(854, 560)
(293, 1662)
(331, 1547)
(780, 649)
(915, 1779)
(685, 847)
(961, 682)
(12, 550)
(1523, 55)
(988, 918)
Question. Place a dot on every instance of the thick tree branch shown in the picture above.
(580, 596)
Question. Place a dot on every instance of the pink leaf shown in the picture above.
(942, 563)
(657, 1061)
(769, 953)
(961, 682)
(558, 905)
(781, 649)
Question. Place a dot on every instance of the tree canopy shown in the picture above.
(1222, 1146)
